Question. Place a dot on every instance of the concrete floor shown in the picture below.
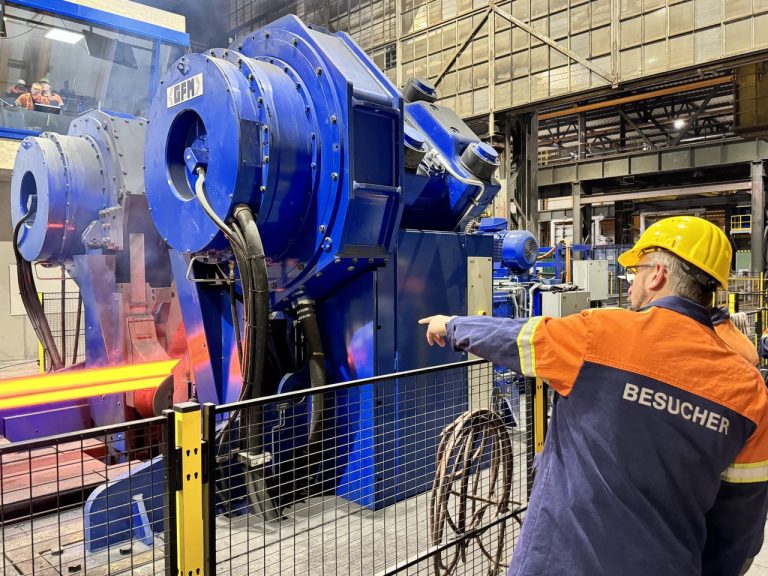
(760, 566)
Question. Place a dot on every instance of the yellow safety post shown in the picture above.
(539, 416)
(189, 489)
(733, 303)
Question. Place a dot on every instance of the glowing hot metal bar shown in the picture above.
(34, 390)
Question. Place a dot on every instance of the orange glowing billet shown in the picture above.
(71, 385)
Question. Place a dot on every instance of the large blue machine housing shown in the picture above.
(298, 125)
(301, 126)
(292, 122)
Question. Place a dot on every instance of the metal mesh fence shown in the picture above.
(58, 515)
(68, 329)
(748, 290)
(424, 472)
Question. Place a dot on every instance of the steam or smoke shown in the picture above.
(207, 22)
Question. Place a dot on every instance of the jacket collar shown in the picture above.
(684, 306)
(719, 315)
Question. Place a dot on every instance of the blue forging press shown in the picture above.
(284, 196)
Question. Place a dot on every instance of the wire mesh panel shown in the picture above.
(90, 503)
(67, 328)
(423, 472)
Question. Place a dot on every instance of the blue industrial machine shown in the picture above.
(553, 261)
(311, 211)
(515, 295)
(78, 200)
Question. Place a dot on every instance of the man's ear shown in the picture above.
(658, 277)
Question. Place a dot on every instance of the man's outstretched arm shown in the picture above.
(549, 348)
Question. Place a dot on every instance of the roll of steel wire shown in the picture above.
(472, 488)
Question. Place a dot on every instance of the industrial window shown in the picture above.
(79, 65)
(390, 56)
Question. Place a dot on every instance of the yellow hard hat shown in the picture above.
(695, 240)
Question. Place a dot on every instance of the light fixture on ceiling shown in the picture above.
(64, 35)
(680, 123)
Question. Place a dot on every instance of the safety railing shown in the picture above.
(418, 472)
(741, 223)
(92, 502)
(66, 317)
(749, 289)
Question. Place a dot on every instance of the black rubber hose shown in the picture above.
(305, 310)
(247, 278)
(243, 265)
(28, 292)
(259, 292)
(245, 283)
(235, 319)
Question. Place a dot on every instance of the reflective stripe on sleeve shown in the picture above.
(745, 473)
(525, 347)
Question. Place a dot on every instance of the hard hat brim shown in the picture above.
(630, 258)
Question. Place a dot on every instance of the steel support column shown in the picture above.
(531, 176)
(582, 122)
(576, 193)
(509, 178)
(523, 181)
(758, 218)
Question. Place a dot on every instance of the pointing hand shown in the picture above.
(436, 329)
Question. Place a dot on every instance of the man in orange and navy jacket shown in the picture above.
(656, 457)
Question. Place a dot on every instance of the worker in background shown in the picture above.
(17, 89)
(726, 329)
(762, 346)
(28, 100)
(732, 329)
(49, 97)
(656, 456)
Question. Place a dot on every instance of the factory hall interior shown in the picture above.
(383, 287)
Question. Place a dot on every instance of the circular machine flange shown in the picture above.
(288, 151)
(245, 123)
(320, 228)
(481, 160)
(60, 180)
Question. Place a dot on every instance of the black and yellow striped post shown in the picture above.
(189, 489)
(536, 427)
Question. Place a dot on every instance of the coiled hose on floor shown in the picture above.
(474, 466)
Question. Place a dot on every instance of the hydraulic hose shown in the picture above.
(238, 244)
(203, 199)
(233, 312)
(460, 473)
(259, 296)
(32, 305)
(305, 310)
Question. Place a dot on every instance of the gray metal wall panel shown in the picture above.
(707, 156)
(676, 159)
(644, 164)
(590, 170)
(506, 68)
(617, 167)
